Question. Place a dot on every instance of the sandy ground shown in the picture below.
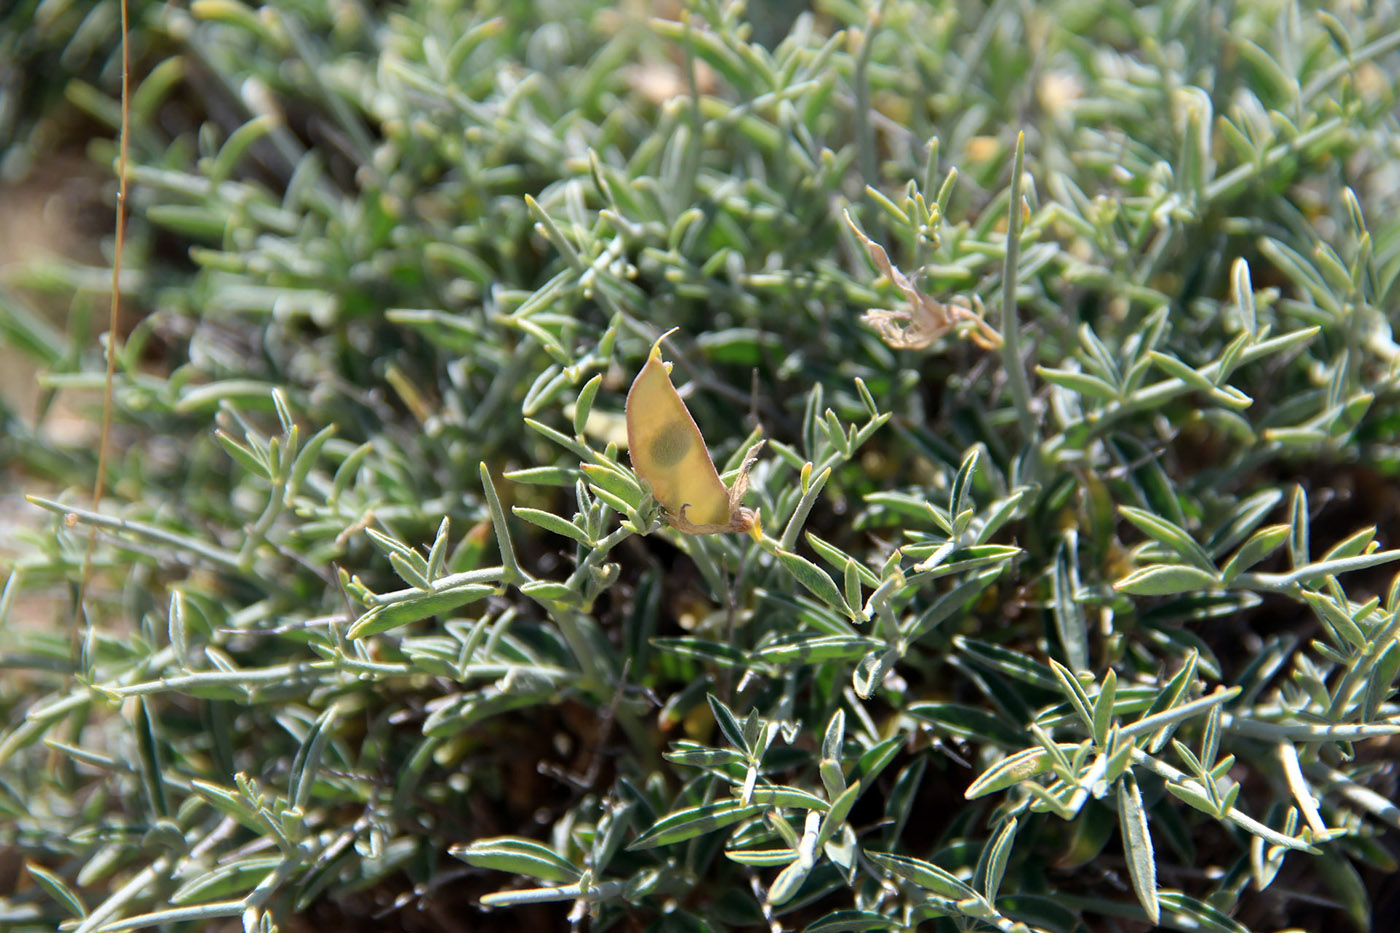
(46, 216)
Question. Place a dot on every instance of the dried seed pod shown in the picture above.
(669, 454)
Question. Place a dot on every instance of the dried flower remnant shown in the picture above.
(926, 320)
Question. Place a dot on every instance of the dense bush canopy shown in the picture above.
(1066, 325)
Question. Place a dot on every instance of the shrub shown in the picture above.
(1079, 624)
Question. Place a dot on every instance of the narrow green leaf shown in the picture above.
(306, 459)
(177, 626)
(794, 797)
(1170, 696)
(1070, 623)
(1013, 664)
(583, 407)
(1211, 738)
(816, 649)
(543, 476)
(854, 596)
(1175, 367)
(388, 616)
(1349, 890)
(1298, 546)
(950, 603)
(1259, 546)
(784, 887)
(1380, 683)
(1193, 794)
(1243, 293)
(349, 467)
(998, 851)
(866, 398)
(1229, 359)
(308, 759)
(1166, 580)
(1081, 383)
(549, 591)
(1099, 356)
(247, 391)
(958, 495)
(701, 649)
(899, 803)
(243, 455)
(157, 919)
(1325, 568)
(1169, 534)
(230, 803)
(942, 562)
(833, 739)
(702, 756)
(728, 724)
(851, 921)
(227, 880)
(1137, 846)
(512, 572)
(999, 513)
(968, 722)
(1352, 545)
(411, 572)
(1074, 692)
(875, 759)
(1337, 620)
(1180, 712)
(836, 815)
(57, 889)
(924, 874)
(817, 582)
(437, 554)
(551, 522)
(1198, 914)
(811, 493)
(761, 858)
(1103, 707)
(839, 558)
(695, 821)
(871, 671)
(149, 758)
(1011, 770)
(615, 478)
(518, 856)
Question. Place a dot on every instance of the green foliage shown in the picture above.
(374, 590)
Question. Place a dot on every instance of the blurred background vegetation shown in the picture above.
(1084, 633)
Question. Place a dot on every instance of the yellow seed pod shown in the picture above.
(669, 453)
